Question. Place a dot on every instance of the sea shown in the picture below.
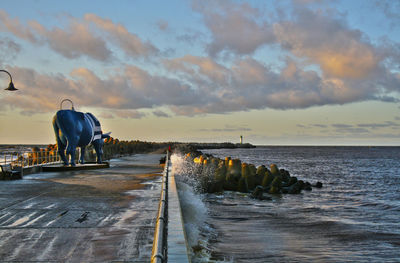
(354, 217)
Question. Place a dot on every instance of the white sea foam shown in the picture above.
(194, 211)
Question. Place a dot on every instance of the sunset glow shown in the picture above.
(276, 72)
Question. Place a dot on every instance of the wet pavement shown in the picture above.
(82, 216)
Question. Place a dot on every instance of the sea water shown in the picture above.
(355, 217)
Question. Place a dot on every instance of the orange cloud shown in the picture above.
(79, 38)
(204, 65)
(358, 62)
(129, 42)
(326, 42)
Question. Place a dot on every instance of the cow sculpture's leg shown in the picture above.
(99, 160)
(98, 146)
(61, 152)
(99, 153)
(71, 148)
(61, 141)
(82, 157)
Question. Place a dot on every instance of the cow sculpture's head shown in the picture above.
(98, 146)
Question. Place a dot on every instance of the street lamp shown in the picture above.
(11, 85)
(12, 88)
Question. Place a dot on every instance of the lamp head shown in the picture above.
(11, 87)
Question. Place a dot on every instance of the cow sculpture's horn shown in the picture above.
(106, 135)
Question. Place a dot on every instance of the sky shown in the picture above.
(285, 72)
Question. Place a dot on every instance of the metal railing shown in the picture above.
(29, 158)
(158, 254)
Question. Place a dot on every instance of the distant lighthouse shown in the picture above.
(241, 139)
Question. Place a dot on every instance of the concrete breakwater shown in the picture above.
(217, 175)
(198, 174)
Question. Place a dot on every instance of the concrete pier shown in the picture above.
(82, 216)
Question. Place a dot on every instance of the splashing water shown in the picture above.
(194, 210)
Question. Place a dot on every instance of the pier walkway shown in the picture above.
(82, 216)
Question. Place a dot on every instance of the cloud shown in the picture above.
(348, 128)
(81, 37)
(391, 10)
(307, 1)
(327, 62)
(234, 27)
(195, 86)
(8, 49)
(199, 69)
(321, 37)
(324, 62)
(15, 27)
(162, 25)
(249, 84)
(390, 51)
(311, 126)
(352, 130)
(159, 113)
(387, 124)
(227, 128)
(319, 125)
(130, 90)
(329, 43)
(191, 36)
(342, 126)
(125, 114)
(74, 41)
(106, 115)
(364, 127)
(129, 42)
(129, 114)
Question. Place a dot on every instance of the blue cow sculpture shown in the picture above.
(77, 129)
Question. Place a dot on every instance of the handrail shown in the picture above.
(158, 254)
(30, 158)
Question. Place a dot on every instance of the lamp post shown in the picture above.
(12, 88)
(11, 85)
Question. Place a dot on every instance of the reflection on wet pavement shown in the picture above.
(82, 216)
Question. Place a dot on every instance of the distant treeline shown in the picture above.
(113, 147)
